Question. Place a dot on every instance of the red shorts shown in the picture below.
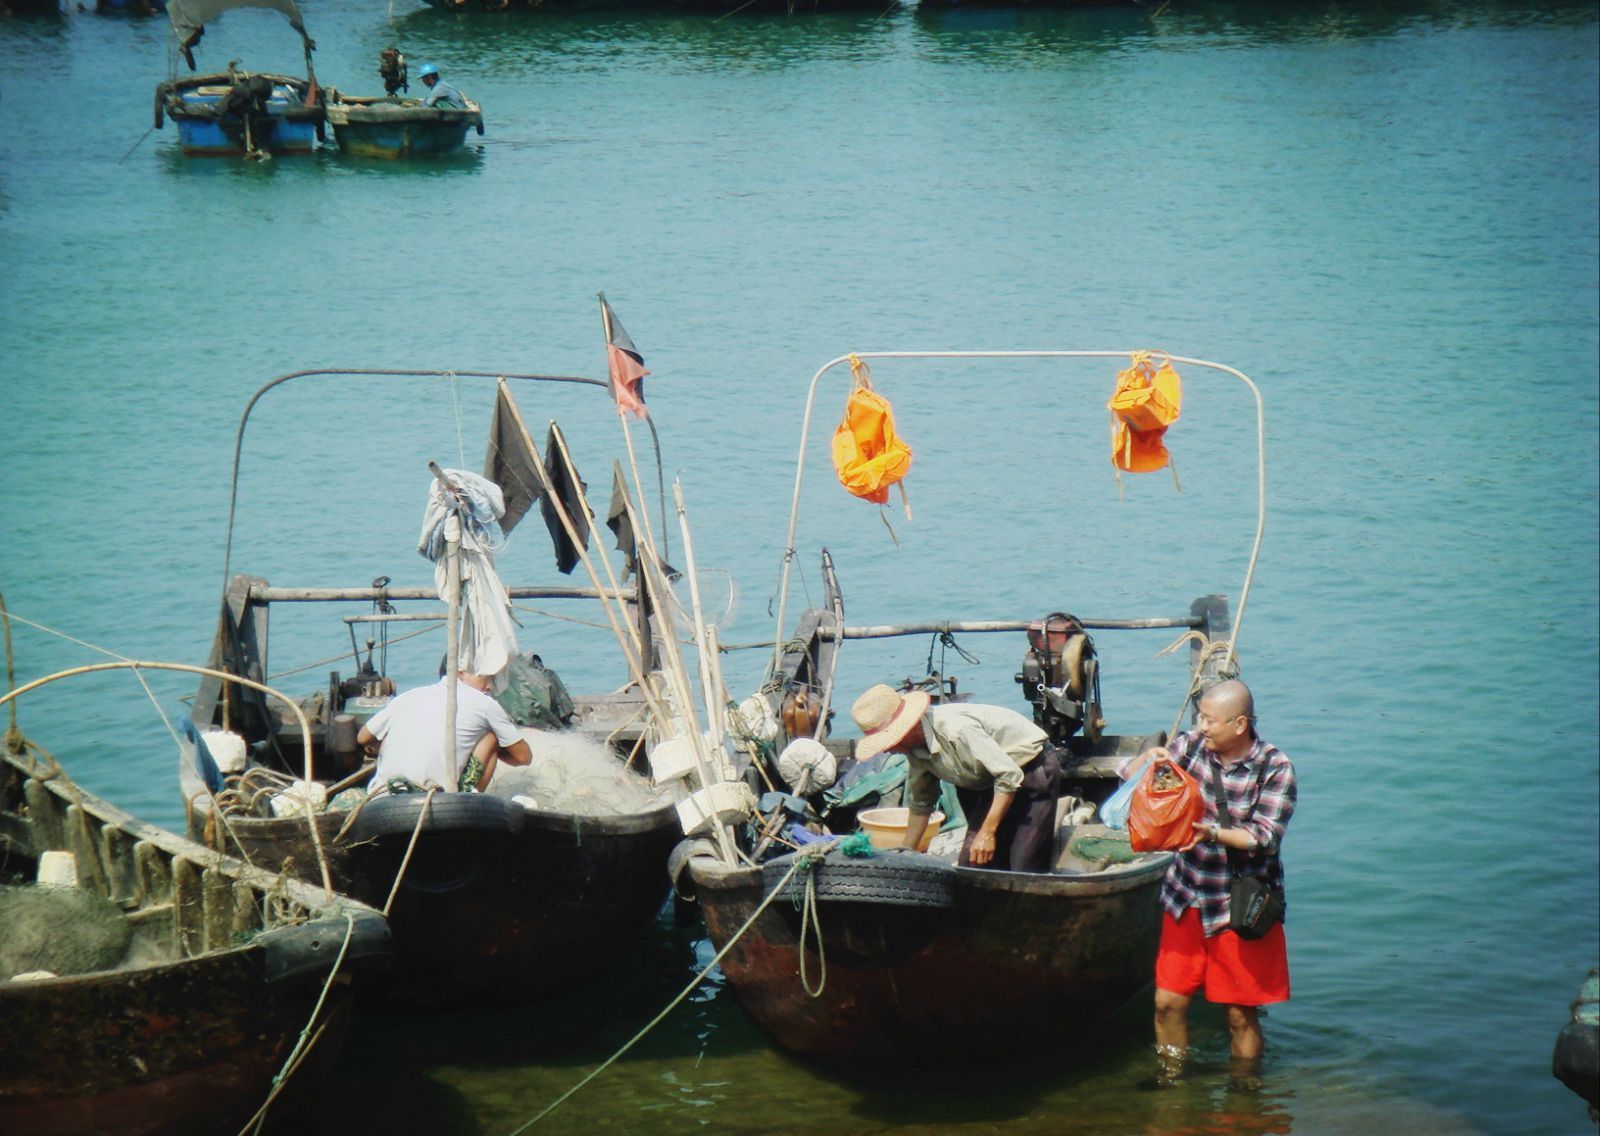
(1232, 971)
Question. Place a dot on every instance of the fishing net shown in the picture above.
(60, 930)
(573, 773)
(1094, 852)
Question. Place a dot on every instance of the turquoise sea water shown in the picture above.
(1384, 213)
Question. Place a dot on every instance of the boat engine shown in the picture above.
(392, 70)
(1061, 677)
(248, 95)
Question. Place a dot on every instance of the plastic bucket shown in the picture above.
(886, 828)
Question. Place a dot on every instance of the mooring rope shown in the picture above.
(1207, 649)
(307, 1039)
(809, 919)
(815, 851)
(422, 816)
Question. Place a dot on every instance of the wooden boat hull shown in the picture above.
(189, 1042)
(401, 129)
(1017, 961)
(189, 1047)
(521, 911)
(522, 916)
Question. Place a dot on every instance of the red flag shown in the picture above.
(627, 365)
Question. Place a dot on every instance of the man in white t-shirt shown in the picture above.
(408, 736)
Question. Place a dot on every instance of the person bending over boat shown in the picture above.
(440, 93)
(406, 737)
(1007, 775)
(1199, 952)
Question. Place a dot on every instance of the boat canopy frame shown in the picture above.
(380, 373)
(805, 434)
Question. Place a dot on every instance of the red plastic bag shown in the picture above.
(1165, 808)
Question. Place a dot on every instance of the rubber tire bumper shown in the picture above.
(898, 877)
(395, 814)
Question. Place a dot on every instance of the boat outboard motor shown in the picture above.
(392, 70)
(248, 96)
(1061, 677)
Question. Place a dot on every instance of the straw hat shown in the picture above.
(885, 716)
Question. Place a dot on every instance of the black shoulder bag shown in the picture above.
(1254, 905)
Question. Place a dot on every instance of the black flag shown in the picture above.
(617, 516)
(511, 463)
(568, 487)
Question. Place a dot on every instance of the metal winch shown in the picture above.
(1061, 677)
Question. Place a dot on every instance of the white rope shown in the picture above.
(455, 401)
(805, 433)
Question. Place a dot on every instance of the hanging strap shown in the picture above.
(1226, 812)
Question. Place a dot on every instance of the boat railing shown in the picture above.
(986, 626)
(367, 373)
(266, 594)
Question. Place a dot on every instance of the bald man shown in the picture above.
(1199, 953)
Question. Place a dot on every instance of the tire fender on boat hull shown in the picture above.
(395, 814)
(899, 877)
(311, 948)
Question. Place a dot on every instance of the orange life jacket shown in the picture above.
(867, 454)
(1146, 401)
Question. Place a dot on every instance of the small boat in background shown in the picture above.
(149, 984)
(238, 113)
(395, 127)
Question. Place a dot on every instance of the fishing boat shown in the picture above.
(159, 986)
(906, 956)
(237, 113)
(395, 127)
(524, 895)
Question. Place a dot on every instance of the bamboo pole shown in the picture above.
(571, 529)
(714, 719)
(452, 597)
(627, 432)
(678, 675)
(633, 660)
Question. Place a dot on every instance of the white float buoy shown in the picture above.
(58, 869)
(227, 749)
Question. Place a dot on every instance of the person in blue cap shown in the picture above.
(440, 93)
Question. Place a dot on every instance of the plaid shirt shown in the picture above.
(1261, 787)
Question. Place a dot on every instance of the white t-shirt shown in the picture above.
(411, 730)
